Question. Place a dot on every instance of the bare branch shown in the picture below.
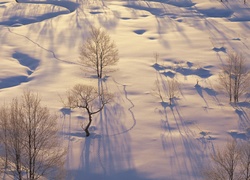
(98, 52)
(30, 139)
(235, 77)
(89, 99)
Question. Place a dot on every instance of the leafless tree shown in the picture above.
(173, 89)
(31, 143)
(11, 139)
(166, 89)
(158, 90)
(41, 135)
(88, 98)
(224, 163)
(234, 78)
(245, 161)
(3, 131)
(231, 162)
(98, 52)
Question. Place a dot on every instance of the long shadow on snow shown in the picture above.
(219, 37)
(209, 91)
(242, 110)
(244, 119)
(107, 159)
(199, 91)
(162, 13)
(107, 155)
(189, 155)
(76, 26)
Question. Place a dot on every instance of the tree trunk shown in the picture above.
(89, 123)
(87, 132)
(18, 167)
(100, 73)
(101, 64)
(230, 90)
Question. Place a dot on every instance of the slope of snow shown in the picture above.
(136, 136)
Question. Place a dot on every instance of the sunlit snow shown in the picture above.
(136, 137)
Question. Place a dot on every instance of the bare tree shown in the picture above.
(32, 142)
(41, 135)
(231, 162)
(166, 89)
(224, 163)
(234, 78)
(173, 89)
(3, 131)
(98, 52)
(88, 98)
(158, 89)
(244, 161)
(12, 138)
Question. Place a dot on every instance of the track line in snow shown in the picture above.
(45, 49)
(129, 109)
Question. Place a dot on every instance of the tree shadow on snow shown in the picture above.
(106, 154)
(242, 110)
(238, 135)
(29, 12)
(209, 91)
(181, 146)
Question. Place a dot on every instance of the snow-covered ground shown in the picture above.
(136, 137)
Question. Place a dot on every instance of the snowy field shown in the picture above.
(136, 137)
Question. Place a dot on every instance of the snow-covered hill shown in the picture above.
(137, 137)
